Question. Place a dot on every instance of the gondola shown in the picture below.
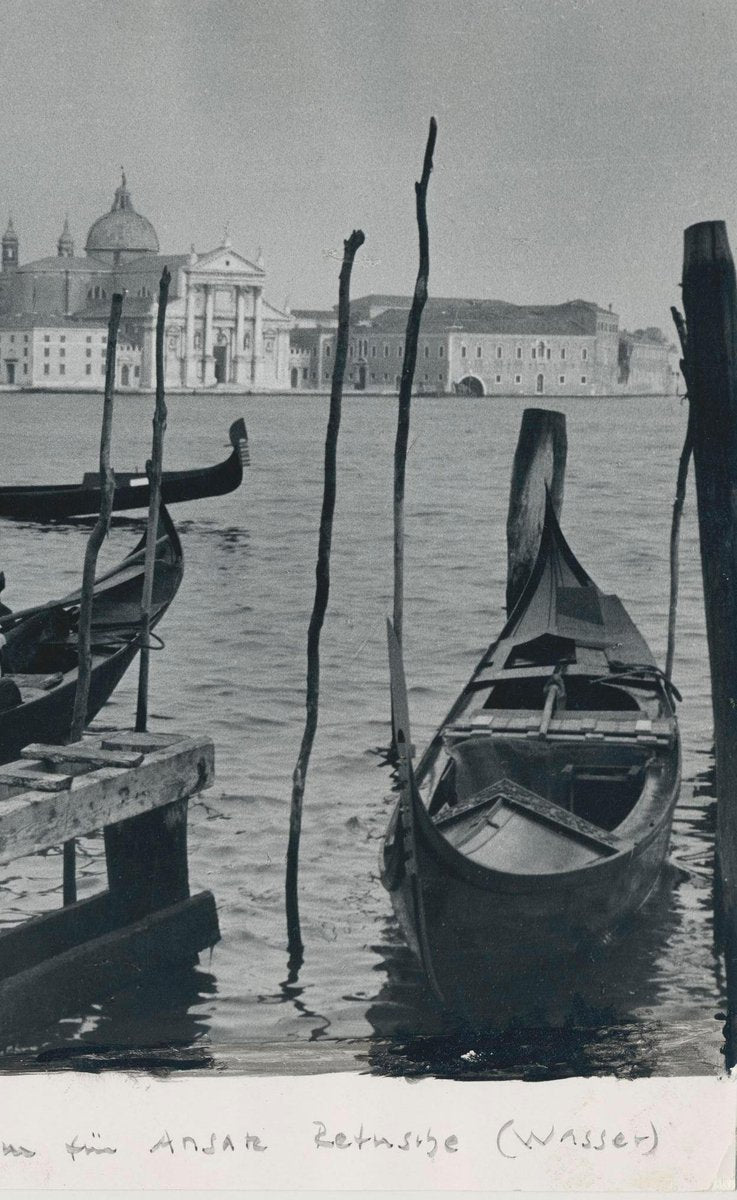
(59, 502)
(539, 816)
(39, 658)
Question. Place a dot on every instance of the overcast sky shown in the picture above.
(576, 138)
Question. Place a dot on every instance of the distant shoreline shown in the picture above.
(297, 394)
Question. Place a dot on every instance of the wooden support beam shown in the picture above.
(34, 820)
(539, 461)
(99, 966)
(710, 305)
(147, 861)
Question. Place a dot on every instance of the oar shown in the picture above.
(554, 688)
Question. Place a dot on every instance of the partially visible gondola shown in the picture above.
(540, 814)
(39, 658)
(59, 502)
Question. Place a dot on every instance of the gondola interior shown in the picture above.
(568, 708)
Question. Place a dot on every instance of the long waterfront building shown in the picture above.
(486, 347)
(220, 329)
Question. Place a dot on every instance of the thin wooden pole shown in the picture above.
(407, 380)
(678, 503)
(322, 590)
(153, 470)
(96, 538)
(710, 307)
(539, 462)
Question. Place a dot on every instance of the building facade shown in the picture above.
(221, 331)
(482, 347)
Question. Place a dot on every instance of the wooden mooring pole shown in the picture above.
(96, 538)
(408, 375)
(351, 246)
(539, 461)
(153, 470)
(710, 306)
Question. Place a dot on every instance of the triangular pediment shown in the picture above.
(225, 261)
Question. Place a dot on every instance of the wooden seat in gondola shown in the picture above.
(567, 726)
(487, 828)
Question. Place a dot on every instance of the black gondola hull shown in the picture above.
(59, 503)
(543, 829)
(512, 948)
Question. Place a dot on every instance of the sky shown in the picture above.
(576, 138)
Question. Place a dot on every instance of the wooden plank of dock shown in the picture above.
(34, 820)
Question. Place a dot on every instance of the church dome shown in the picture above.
(121, 233)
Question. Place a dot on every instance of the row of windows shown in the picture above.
(537, 351)
(518, 378)
(87, 369)
(63, 338)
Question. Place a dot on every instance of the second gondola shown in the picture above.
(540, 814)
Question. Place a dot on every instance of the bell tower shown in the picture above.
(65, 244)
(10, 248)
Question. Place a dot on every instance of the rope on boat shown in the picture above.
(622, 670)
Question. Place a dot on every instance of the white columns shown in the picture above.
(239, 358)
(258, 337)
(189, 377)
(208, 361)
(148, 356)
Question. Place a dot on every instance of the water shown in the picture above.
(234, 668)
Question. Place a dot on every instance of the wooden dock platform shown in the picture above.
(135, 788)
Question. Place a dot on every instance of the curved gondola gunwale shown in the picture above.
(490, 879)
(47, 716)
(60, 502)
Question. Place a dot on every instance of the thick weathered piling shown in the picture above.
(96, 538)
(351, 247)
(710, 305)
(678, 503)
(539, 462)
(153, 470)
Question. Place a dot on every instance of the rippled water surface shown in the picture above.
(234, 668)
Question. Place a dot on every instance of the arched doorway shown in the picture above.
(470, 385)
(220, 355)
(361, 381)
(125, 375)
(539, 386)
(295, 377)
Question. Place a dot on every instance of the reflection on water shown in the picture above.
(598, 1010)
(234, 669)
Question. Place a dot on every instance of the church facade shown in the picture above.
(221, 332)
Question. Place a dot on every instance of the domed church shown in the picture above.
(221, 332)
(122, 234)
